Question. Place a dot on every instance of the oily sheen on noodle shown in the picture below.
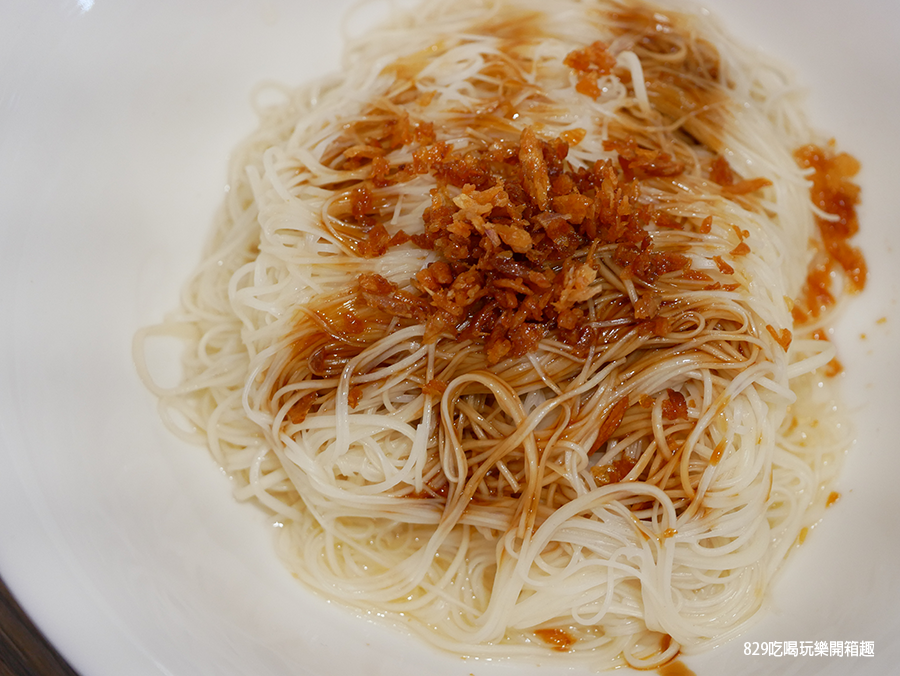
(518, 325)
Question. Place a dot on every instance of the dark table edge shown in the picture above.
(24, 650)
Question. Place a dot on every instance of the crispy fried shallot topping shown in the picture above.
(515, 228)
(835, 193)
(590, 63)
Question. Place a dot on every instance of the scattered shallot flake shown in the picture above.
(741, 249)
(696, 276)
(587, 85)
(594, 58)
(434, 387)
(536, 180)
(363, 150)
(782, 337)
(577, 282)
(720, 172)
(298, 412)
(724, 268)
(610, 424)
(747, 186)
(573, 136)
(647, 306)
(573, 207)
(674, 406)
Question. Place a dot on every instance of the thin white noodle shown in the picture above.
(482, 515)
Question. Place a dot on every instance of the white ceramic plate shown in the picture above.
(116, 121)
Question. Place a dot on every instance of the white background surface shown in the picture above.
(116, 121)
